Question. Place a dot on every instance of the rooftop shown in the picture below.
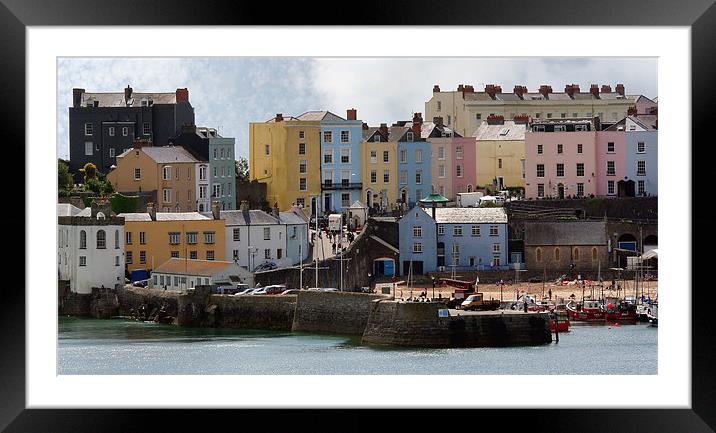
(509, 131)
(457, 215)
(66, 209)
(242, 218)
(165, 216)
(205, 268)
(322, 116)
(116, 99)
(565, 233)
(165, 154)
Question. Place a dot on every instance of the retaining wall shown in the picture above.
(132, 299)
(333, 312)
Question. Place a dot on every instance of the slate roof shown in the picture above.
(242, 218)
(114, 99)
(536, 96)
(461, 215)
(290, 218)
(514, 131)
(205, 268)
(66, 209)
(165, 154)
(320, 116)
(646, 121)
(566, 233)
(165, 216)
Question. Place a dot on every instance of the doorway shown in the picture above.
(560, 191)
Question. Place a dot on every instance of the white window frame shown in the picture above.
(303, 166)
(167, 172)
(137, 174)
(494, 230)
(540, 149)
(610, 187)
(417, 247)
(209, 238)
(345, 136)
(641, 147)
(373, 176)
(125, 131)
(167, 195)
(111, 152)
(345, 153)
(418, 156)
(89, 129)
(89, 148)
(540, 190)
(302, 184)
(560, 165)
(580, 165)
(302, 135)
(641, 168)
(403, 156)
(328, 136)
(417, 231)
(267, 233)
(111, 131)
(418, 177)
(373, 156)
(457, 231)
(475, 230)
(441, 229)
(458, 152)
(146, 128)
(328, 156)
(613, 171)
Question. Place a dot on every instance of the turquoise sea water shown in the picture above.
(89, 346)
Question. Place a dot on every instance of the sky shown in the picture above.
(229, 93)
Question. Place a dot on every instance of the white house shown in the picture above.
(203, 187)
(179, 274)
(90, 248)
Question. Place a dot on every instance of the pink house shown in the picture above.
(611, 161)
(560, 158)
(463, 164)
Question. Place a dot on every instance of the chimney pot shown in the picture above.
(438, 121)
(182, 95)
(545, 90)
(491, 89)
(352, 114)
(216, 210)
(631, 111)
(244, 206)
(460, 88)
(606, 88)
(127, 93)
(77, 97)
(620, 89)
(436, 88)
(365, 126)
(151, 211)
(383, 129)
(279, 117)
(594, 90)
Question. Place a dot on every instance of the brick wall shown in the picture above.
(339, 313)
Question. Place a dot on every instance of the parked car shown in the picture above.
(275, 289)
(266, 266)
(259, 291)
(290, 292)
(244, 292)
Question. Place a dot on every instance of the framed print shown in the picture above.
(186, 90)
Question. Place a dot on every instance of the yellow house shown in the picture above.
(379, 163)
(168, 170)
(284, 153)
(500, 154)
(152, 238)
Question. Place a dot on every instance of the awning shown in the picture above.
(651, 254)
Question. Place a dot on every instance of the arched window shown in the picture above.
(556, 254)
(100, 215)
(116, 239)
(83, 239)
(538, 253)
(101, 239)
(594, 254)
(576, 254)
(469, 188)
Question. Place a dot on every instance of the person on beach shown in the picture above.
(550, 294)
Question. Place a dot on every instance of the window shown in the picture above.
(478, 116)
(441, 229)
(345, 156)
(173, 238)
(594, 253)
(167, 195)
(142, 257)
(301, 148)
(236, 255)
(386, 176)
(116, 260)
(222, 153)
(302, 184)
(610, 187)
(345, 199)
(83, 239)
(403, 177)
(300, 201)
(562, 115)
(377, 137)
(580, 169)
(267, 149)
(111, 153)
(128, 258)
(125, 131)
(475, 231)
(560, 170)
(386, 156)
(441, 170)
(579, 148)
(494, 231)
(89, 148)
(193, 255)
(237, 234)
(418, 156)
(539, 149)
(216, 171)
(575, 255)
(88, 129)
(610, 147)
(303, 166)
(441, 152)
(580, 127)
(373, 156)
(417, 247)
(458, 152)
(345, 136)
(580, 190)
(458, 170)
(499, 162)
(560, 148)
(217, 190)
(210, 255)
(202, 173)
(328, 156)
(83, 261)
(495, 248)
(373, 176)
(191, 237)
(216, 153)
(327, 136)
(549, 115)
(301, 134)
(410, 136)
(439, 106)
(641, 187)
(128, 236)
(449, 119)
(279, 254)
(267, 233)
(208, 237)
(538, 115)
(640, 147)
(116, 239)
(111, 131)
(418, 176)
(556, 254)
(540, 190)
(146, 128)
(167, 172)
(538, 255)
(611, 169)
(457, 230)
(142, 239)
(137, 173)
(403, 156)
(540, 170)
(101, 240)
(417, 231)
(175, 254)
(641, 168)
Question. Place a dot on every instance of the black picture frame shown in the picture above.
(16, 15)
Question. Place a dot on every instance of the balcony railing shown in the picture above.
(342, 185)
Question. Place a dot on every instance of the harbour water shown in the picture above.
(90, 346)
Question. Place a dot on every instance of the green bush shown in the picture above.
(123, 204)
(88, 201)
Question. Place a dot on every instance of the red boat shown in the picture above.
(562, 322)
(588, 311)
(617, 311)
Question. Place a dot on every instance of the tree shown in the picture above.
(64, 177)
(242, 169)
(89, 171)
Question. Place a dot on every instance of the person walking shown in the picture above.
(550, 293)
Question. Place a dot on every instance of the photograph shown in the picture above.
(358, 215)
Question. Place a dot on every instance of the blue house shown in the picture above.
(463, 239)
(414, 170)
(642, 141)
(341, 182)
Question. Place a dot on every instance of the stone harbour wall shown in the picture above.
(333, 312)
(132, 299)
(254, 312)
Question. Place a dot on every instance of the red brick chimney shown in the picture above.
(606, 88)
(279, 117)
(182, 95)
(491, 90)
(520, 90)
(496, 120)
(460, 88)
(417, 123)
(631, 111)
(469, 89)
(351, 114)
(436, 88)
(438, 121)
(127, 93)
(365, 126)
(383, 130)
(571, 89)
(137, 143)
(620, 89)
(521, 119)
(594, 90)
(545, 90)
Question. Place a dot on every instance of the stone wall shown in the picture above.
(254, 312)
(132, 299)
(104, 303)
(333, 312)
(417, 324)
(626, 208)
(71, 304)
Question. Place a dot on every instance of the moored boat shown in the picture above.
(587, 311)
(618, 311)
(653, 314)
(561, 323)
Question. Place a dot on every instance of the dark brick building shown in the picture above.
(103, 125)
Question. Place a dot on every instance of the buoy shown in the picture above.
(610, 305)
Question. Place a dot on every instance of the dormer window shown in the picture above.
(376, 137)
(410, 136)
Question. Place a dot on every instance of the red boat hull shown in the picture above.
(562, 326)
(586, 315)
(618, 316)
